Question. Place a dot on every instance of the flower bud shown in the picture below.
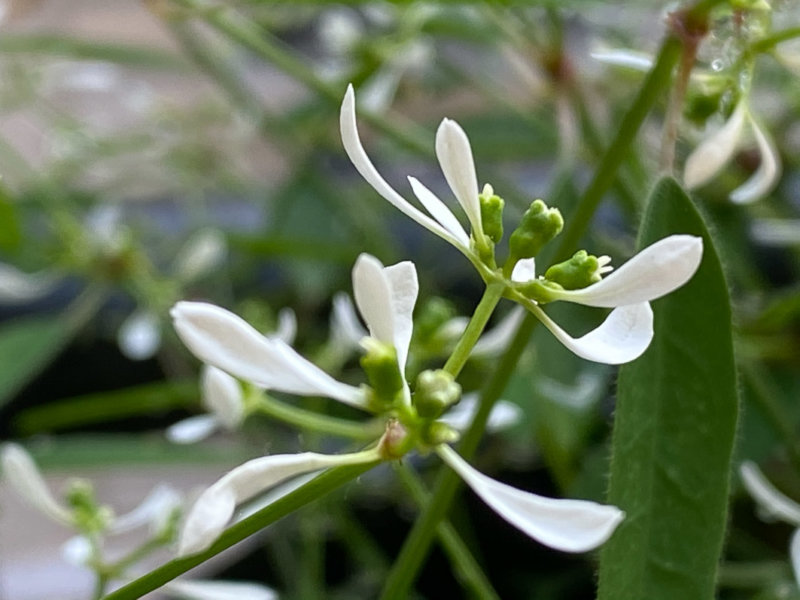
(396, 441)
(434, 393)
(383, 373)
(539, 225)
(580, 271)
(491, 213)
(438, 432)
(89, 515)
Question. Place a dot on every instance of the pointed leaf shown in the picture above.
(674, 430)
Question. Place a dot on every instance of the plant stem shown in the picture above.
(319, 486)
(307, 419)
(477, 323)
(768, 43)
(465, 566)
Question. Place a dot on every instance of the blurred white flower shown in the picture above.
(203, 252)
(139, 336)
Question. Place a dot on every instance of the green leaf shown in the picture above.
(674, 431)
(27, 345)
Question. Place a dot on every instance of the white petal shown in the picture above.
(206, 520)
(17, 286)
(214, 508)
(766, 176)
(652, 273)
(385, 296)
(567, 525)
(452, 329)
(224, 340)
(201, 254)
(770, 501)
(624, 57)
(346, 329)
(715, 151)
(776, 232)
(222, 396)
(623, 336)
(287, 326)
(794, 554)
(139, 336)
(200, 589)
(504, 414)
(524, 270)
(77, 551)
(362, 163)
(192, 429)
(494, 341)
(156, 507)
(405, 288)
(21, 473)
(439, 210)
(455, 158)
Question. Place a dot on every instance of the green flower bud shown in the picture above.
(89, 516)
(540, 290)
(383, 372)
(434, 393)
(578, 272)
(437, 432)
(539, 225)
(491, 213)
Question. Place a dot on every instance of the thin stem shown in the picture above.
(307, 419)
(467, 569)
(483, 312)
(768, 43)
(317, 487)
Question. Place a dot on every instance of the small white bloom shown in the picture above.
(139, 336)
(346, 330)
(708, 159)
(77, 551)
(18, 287)
(214, 508)
(567, 525)
(202, 253)
(22, 474)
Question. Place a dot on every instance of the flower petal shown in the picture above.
(567, 525)
(494, 341)
(346, 329)
(623, 336)
(18, 286)
(214, 508)
(794, 554)
(153, 510)
(771, 502)
(385, 296)
(455, 158)
(624, 57)
(766, 176)
(439, 210)
(524, 270)
(22, 474)
(287, 326)
(655, 271)
(716, 150)
(222, 396)
(139, 336)
(504, 414)
(362, 163)
(192, 429)
(224, 340)
(202, 589)
(202, 253)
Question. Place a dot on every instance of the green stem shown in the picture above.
(307, 419)
(465, 566)
(483, 312)
(418, 542)
(319, 486)
(768, 43)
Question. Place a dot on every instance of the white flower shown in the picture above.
(204, 251)
(139, 336)
(655, 271)
(204, 589)
(772, 504)
(708, 159)
(19, 469)
(567, 525)
(385, 297)
(222, 398)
